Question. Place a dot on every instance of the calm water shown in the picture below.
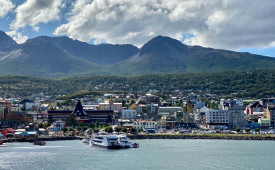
(152, 154)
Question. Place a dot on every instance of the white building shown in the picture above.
(110, 106)
(57, 126)
(145, 125)
(129, 114)
(168, 110)
(217, 118)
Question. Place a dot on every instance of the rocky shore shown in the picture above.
(203, 136)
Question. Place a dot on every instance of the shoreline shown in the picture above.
(156, 136)
(204, 136)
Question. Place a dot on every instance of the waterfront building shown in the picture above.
(161, 124)
(57, 126)
(11, 118)
(216, 119)
(145, 124)
(264, 123)
(84, 116)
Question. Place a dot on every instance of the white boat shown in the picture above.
(85, 140)
(106, 141)
(124, 141)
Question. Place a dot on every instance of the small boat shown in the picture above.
(124, 141)
(85, 140)
(135, 145)
(41, 143)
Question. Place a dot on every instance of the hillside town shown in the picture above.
(148, 113)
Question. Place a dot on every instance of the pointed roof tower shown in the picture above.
(78, 111)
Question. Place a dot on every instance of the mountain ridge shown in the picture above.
(46, 56)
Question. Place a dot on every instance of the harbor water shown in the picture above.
(152, 155)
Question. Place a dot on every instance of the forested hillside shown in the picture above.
(249, 84)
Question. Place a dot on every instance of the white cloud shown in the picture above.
(5, 7)
(229, 24)
(33, 12)
(18, 37)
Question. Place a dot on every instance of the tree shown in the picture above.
(71, 120)
(141, 102)
(237, 129)
(117, 129)
(84, 128)
(123, 129)
(109, 129)
(132, 101)
(64, 129)
(40, 125)
(257, 130)
(247, 130)
(79, 128)
(133, 130)
(97, 124)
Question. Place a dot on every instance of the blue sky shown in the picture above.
(219, 24)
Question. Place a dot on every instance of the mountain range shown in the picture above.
(61, 56)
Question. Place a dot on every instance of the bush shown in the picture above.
(237, 129)
(109, 129)
(257, 130)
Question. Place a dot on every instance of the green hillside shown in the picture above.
(249, 84)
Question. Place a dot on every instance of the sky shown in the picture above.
(244, 26)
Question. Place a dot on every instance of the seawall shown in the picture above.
(204, 136)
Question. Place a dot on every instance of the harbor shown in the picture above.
(152, 154)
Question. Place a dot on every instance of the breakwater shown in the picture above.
(204, 136)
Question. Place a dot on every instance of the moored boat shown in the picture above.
(124, 141)
(106, 141)
(41, 143)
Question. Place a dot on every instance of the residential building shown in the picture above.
(168, 110)
(236, 112)
(111, 106)
(270, 113)
(129, 114)
(254, 107)
(152, 99)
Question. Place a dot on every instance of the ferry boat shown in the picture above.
(106, 141)
(124, 141)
